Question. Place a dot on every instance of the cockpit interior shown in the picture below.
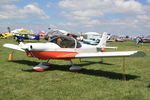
(65, 41)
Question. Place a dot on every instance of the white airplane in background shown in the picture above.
(66, 48)
(102, 43)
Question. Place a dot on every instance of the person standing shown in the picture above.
(141, 41)
(137, 41)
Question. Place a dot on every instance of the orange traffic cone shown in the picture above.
(10, 57)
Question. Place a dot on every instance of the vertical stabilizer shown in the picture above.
(103, 40)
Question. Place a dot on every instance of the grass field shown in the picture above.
(97, 81)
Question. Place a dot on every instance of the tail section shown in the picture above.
(37, 37)
(103, 40)
(102, 43)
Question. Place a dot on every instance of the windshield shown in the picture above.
(65, 41)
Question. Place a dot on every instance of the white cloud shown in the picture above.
(95, 14)
(51, 5)
(92, 14)
(81, 15)
(8, 7)
(4, 2)
(144, 17)
(28, 26)
(34, 10)
(10, 12)
(130, 6)
(87, 13)
(148, 1)
(14, 12)
(8, 1)
(92, 8)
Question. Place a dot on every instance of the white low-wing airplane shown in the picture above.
(63, 47)
(102, 43)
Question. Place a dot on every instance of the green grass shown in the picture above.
(97, 81)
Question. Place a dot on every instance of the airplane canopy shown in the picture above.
(65, 41)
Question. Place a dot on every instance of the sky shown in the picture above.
(117, 17)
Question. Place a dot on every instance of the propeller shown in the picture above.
(27, 48)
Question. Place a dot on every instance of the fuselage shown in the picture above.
(51, 50)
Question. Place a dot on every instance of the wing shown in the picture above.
(111, 54)
(13, 46)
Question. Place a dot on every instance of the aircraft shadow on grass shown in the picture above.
(102, 73)
(100, 62)
(26, 62)
(148, 86)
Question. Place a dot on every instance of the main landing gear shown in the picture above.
(43, 66)
(74, 68)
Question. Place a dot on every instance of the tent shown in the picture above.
(22, 31)
(41, 32)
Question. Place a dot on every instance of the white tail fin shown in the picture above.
(102, 43)
(103, 40)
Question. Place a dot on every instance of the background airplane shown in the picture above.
(6, 35)
(22, 38)
(101, 44)
(93, 42)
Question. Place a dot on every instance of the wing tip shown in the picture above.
(12, 46)
(139, 54)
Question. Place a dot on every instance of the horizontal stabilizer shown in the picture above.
(13, 46)
(109, 47)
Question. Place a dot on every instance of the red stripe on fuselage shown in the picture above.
(53, 55)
